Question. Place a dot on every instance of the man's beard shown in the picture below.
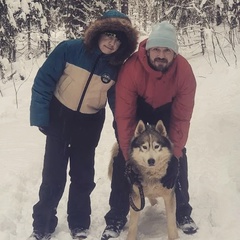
(159, 67)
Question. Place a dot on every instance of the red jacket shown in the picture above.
(177, 85)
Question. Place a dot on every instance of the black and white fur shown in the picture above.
(150, 152)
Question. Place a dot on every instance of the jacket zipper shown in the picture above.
(87, 83)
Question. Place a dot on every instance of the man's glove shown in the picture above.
(170, 178)
(132, 174)
(44, 130)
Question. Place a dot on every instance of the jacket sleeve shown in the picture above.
(125, 112)
(44, 85)
(111, 102)
(182, 109)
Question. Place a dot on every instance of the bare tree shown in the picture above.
(124, 6)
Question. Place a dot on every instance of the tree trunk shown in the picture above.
(124, 6)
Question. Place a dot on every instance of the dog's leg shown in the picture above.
(133, 221)
(170, 206)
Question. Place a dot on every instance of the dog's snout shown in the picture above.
(151, 162)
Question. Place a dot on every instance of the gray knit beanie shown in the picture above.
(163, 35)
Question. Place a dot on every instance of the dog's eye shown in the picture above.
(144, 147)
(156, 146)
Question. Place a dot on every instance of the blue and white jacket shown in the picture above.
(65, 74)
(78, 74)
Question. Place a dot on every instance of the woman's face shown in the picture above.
(108, 43)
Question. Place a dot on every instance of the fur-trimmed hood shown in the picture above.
(113, 20)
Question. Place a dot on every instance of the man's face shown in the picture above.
(160, 58)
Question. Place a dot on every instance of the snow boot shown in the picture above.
(187, 225)
(39, 236)
(113, 230)
(79, 233)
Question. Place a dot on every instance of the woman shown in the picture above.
(69, 95)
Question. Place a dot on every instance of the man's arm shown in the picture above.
(125, 114)
(182, 109)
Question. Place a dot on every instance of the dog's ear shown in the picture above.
(161, 128)
(140, 128)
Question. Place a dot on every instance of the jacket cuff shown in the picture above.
(177, 152)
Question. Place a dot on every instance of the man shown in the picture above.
(155, 83)
(69, 95)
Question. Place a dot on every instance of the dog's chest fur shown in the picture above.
(153, 188)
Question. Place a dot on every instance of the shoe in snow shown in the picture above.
(187, 225)
(39, 236)
(113, 230)
(79, 233)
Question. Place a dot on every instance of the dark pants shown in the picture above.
(119, 197)
(181, 189)
(119, 200)
(71, 137)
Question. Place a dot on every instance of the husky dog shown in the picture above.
(150, 152)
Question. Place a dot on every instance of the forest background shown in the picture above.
(209, 37)
(30, 28)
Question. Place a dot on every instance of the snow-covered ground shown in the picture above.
(213, 154)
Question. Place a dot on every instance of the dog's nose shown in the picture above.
(151, 162)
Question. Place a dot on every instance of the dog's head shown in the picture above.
(150, 146)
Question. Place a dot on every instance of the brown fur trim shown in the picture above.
(126, 48)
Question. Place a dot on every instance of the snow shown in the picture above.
(213, 157)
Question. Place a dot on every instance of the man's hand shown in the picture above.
(170, 178)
